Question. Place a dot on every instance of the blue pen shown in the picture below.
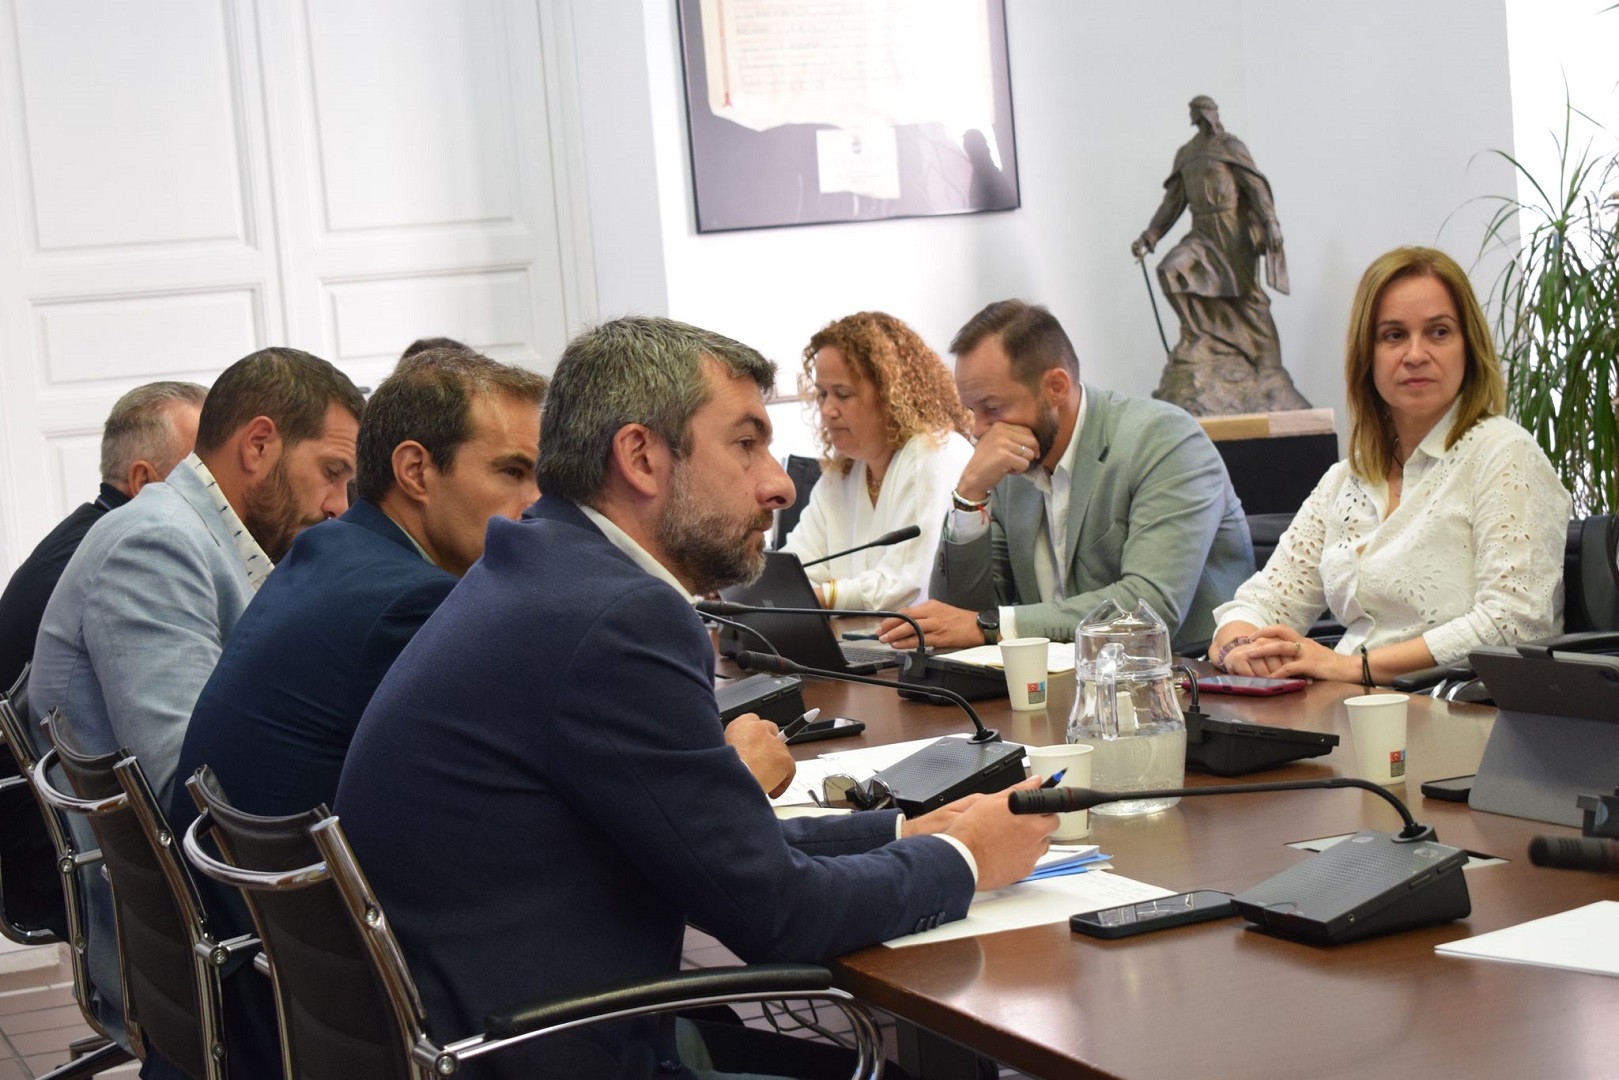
(1056, 778)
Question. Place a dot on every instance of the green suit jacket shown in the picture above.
(1151, 516)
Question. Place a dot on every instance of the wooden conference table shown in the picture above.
(1218, 1000)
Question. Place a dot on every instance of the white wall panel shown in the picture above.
(183, 181)
(129, 133)
(75, 469)
(375, 320)
(140, 338)
(413, 113)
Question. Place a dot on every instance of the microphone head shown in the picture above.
(899, 536)
(719, 607)
(1060, 800)
(757, 661)
(1575, 853)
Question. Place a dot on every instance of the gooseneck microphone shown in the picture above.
(1061, 800)
(780, 665)
(1575, 853)
(937, 774)
(898, 536)
(916, 662)
(739, 625)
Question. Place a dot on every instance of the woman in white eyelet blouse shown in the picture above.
(893, 435)
(1445, 528)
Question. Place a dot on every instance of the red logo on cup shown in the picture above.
(1036, 691)
(1397, 763)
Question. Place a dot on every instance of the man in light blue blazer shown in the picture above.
(143, 609)
(1074, 495)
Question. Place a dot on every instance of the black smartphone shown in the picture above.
(1160, 914)
(1450, 789)
(835, 728)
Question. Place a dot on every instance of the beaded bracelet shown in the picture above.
(1228, 646)
(964, 504)
(1365, 669)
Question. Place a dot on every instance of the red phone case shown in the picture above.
(1252, 686)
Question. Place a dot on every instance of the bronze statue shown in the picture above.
(1228, 358)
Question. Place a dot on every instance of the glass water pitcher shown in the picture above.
(1126, 708)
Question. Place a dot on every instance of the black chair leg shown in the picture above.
(90, 1056)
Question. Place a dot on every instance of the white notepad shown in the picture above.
(1585, 939)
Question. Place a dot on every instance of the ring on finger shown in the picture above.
(1298, 648)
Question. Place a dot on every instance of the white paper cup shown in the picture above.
(1025, 661)
(1377, 725)
(1047, 761)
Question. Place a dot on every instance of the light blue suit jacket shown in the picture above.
(129, 637)
(1151, 516)
(137, 623)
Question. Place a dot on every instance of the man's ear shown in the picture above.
(141, 473)
(258, 445)
(1056, 384)
(641, 459)
(411, 464)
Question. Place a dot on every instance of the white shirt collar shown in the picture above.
(1433, 443)
(254, 560)
(625, 543)
(413, 541)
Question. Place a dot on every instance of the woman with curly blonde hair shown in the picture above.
(893, 439)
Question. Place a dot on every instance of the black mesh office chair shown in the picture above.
(804, 472)
(169, 960)
(32, 908)
(99, 1052)
(349, 1006)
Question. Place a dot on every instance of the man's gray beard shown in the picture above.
(709, 550)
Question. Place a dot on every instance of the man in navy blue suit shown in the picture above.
(446, 442)
(541, 792)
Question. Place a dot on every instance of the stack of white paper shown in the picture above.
(1585, 939)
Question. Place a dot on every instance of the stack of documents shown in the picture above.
(1061, 860)
(1585, 939)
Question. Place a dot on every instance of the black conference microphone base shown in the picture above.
(1369, 883)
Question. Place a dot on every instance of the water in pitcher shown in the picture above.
(1151, 755)
(1126, 709)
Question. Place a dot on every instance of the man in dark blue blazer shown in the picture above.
(541, 792)
(446, 443)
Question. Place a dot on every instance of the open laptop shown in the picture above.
(803, 639)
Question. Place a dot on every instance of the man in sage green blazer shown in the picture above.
(1074, 495)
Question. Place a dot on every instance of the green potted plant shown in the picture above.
(1556, 311)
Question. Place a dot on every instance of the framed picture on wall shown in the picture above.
(810, 111)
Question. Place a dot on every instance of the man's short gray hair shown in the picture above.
(636, 370)
(140, 428)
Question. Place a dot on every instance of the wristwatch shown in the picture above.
(989, 624)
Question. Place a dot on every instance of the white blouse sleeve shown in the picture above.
(916, 491)
(1520, 525)
(1289, 589)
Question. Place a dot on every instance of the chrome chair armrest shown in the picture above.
(1414, 682)
(782, 980)
(71, 804)
(224, 872)
(684, 990)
